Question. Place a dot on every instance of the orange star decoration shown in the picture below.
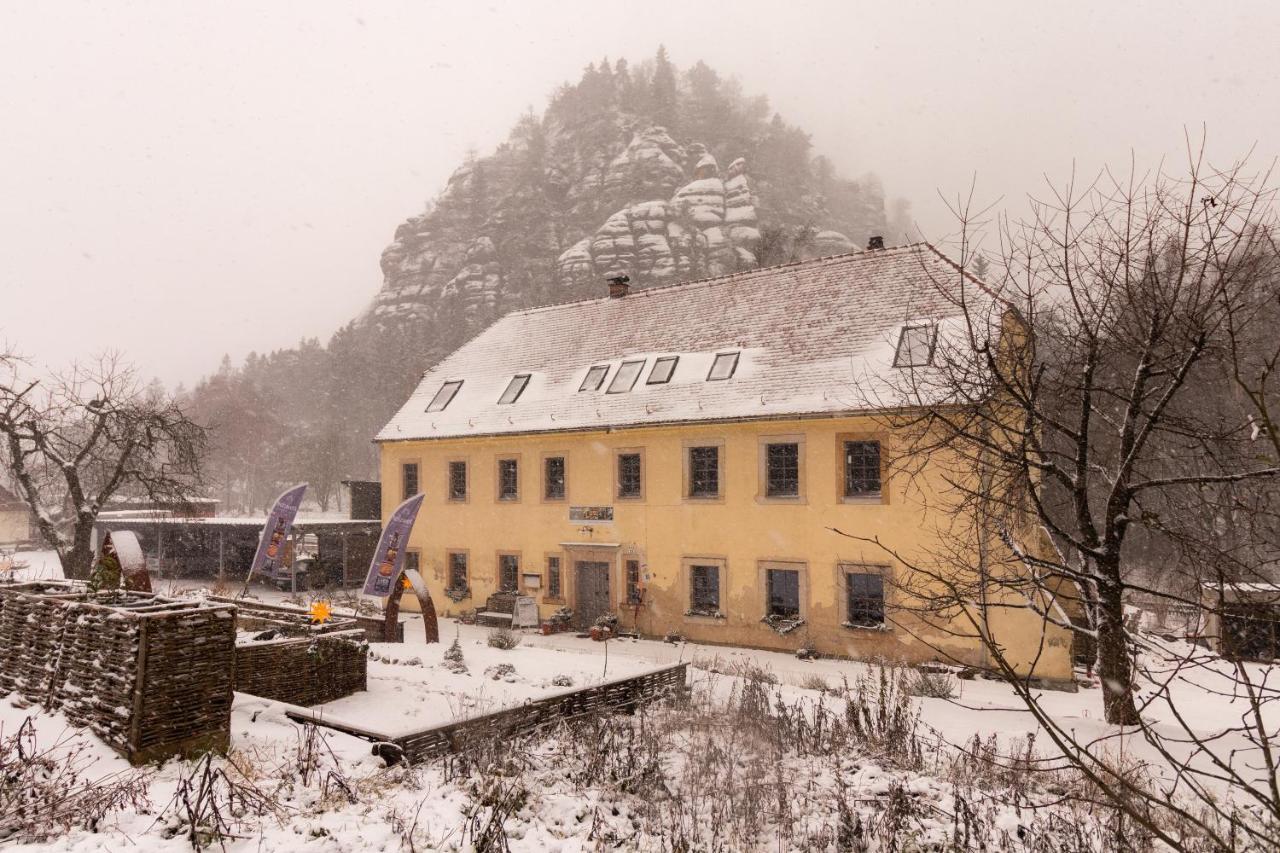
(320, 612)
(404, 582)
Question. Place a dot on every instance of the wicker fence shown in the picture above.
(624, 693)
(150, 676)
(304, 670)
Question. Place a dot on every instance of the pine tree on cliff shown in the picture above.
(665, 99)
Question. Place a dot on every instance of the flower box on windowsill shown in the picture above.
(783, 624)
(880, 628)
(704, 614)
(457, 595)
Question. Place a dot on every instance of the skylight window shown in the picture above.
(514, 389)
(662, 370)
(915, 346)
(444, 396)
(723, 367)
(594, 378)
(625, 379)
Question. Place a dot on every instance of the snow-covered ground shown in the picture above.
(412, 686)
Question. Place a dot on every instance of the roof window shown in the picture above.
(915, 346)
(514, 389)
(663, 368)
(625, 379)
(594, 378)
(723, 367)
(444, 396)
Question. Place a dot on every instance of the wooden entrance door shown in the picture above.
(591, 600)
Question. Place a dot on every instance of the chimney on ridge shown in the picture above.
(876, 242)
(619, 285)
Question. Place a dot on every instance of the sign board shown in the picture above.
(591, 513)
(525, 612)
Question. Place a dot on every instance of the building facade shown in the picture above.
(689, 459)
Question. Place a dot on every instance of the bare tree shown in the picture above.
(1103, 416)
(74, 440)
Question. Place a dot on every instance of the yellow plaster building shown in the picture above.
(681, 457)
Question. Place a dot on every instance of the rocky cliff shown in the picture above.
(622, 174)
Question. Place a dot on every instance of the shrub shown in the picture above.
(453, 658)
(932, 685)
(813, 681)
(503, 638)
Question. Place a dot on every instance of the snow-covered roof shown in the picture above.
(814, 338)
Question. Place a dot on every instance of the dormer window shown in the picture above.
(444, 396)
(663, 368)
(723, 367)
(625, 379)
(514, 389)
(916, 345)
(594, 378)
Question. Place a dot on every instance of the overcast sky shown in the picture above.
(181, 180)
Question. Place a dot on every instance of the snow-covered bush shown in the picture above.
(503, 638)
(44, 792)
(453, 660)
(932, 685)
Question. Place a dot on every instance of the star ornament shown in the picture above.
(320, 612)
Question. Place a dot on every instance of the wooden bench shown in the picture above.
(498, 610)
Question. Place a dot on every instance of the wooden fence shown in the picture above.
(149, 675)
(623, 693)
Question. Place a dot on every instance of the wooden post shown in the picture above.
(391, 614)
(222, 567)
(346, 579)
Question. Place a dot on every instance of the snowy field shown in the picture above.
(758, 758)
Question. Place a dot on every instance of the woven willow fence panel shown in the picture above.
(151, 676)
(304, 670)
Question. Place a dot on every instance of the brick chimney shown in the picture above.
(619, 286)
(876, 242)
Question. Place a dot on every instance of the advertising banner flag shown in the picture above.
(388, 558)
(274, 533)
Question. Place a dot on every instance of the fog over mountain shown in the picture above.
(249, 164)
